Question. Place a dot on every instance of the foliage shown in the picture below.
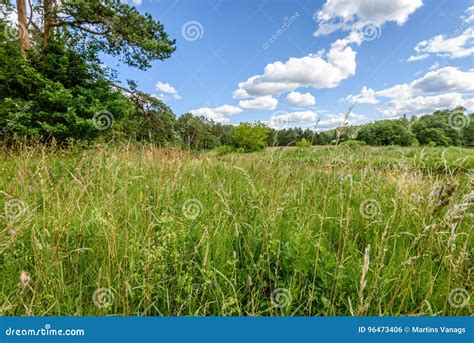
(59, 91)
(196, 132)
(54, 95)
(303, 143)
(439, 128)
(250, 137)
(387, 132)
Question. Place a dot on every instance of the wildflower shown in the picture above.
(11, 232)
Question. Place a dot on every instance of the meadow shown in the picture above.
(334, 230)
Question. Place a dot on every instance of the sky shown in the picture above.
(303, 63)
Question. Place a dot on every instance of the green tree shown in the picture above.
(152, 121)
(442, 120)
(468, 132)
(387, 132)
(93, 26)
(250, 137)
(196, 132)
(54, 95)
(54, 87)
(433, 136)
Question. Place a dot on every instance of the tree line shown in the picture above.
(55, 89)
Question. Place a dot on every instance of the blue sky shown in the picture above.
(392, 57)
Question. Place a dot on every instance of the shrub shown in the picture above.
(303, 143)
(226, 149)
(250, 137)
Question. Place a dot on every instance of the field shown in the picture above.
(320, 231)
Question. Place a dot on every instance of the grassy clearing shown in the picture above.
(322, 231)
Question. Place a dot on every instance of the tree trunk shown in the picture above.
(48, 7)
(23, 27)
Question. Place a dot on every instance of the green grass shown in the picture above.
(321, 231)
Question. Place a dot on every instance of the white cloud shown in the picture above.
(458, 46)
(315, 70)
(366, 96)
(166, 90)
(300, 100)
(260, 103)
(447, 79)
(337, 15)
(217, 114)
(283, 119)
(424, 104)
(444, 80)
(311, 120)
(328, 69)
(132, 2)
(418, 57)
(446, 87)
(331, 121)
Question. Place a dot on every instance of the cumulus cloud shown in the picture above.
(218, 114)
(447, 79)
(321, 70)
(341, 15)
(260, 103)
(459, 44)
(332, 121)
(282, 119)
(327, 69)
(366, 96)
(424, 104)
(300, 100)
(442, 88)
(311, 120)
(166, 90)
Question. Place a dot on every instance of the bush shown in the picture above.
(250, 137)
(303, 143)
(227, 149)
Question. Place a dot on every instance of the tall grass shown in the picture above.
(322, 231)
